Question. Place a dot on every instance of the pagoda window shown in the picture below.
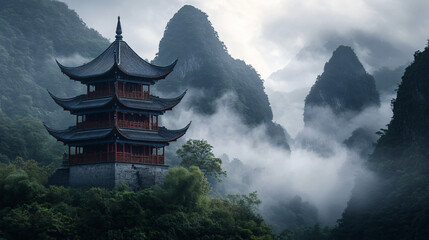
(146, 91)
(154, 122)
(161, 151)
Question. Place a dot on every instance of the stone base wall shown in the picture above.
(94, 175)
(108, 175)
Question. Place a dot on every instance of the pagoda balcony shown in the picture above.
(133, 94)
(137, 124)
(94, 124)
(100, 93)
(112, 157)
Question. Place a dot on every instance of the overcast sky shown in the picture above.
(265, 33)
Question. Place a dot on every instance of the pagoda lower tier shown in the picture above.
(116, 152)
(115, 144)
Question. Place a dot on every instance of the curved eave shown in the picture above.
(168, 69)
(121, 57)
(172, 102)
(70, 103)
(69, 72)
(69, 135)
(172, 135)
(181, 131)
(72, 135)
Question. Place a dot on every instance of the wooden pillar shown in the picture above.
(131, 151)
(116, 151)
(157, 157)
(87, 89)
(107, 152)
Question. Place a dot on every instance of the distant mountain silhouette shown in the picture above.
(344, 86)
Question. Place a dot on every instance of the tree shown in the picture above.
(199, 153)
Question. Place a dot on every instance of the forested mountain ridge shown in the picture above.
(344, 85)
(32, 34)
(393, 205)
(206, 66)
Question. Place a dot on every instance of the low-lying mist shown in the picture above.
(297, 188)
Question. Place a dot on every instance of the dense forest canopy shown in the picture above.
(32, 34)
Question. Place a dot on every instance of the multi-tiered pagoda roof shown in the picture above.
(118, 111)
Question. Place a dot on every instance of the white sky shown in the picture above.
(264, 33)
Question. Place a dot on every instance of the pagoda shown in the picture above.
(117, 137)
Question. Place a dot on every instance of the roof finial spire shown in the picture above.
(118, 30)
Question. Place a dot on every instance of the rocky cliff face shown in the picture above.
(393, 204)
(206, 68)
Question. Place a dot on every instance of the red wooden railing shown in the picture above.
(135, 124)
(133, 94)
(100, 93)
(111, 157)
(121, 123)
(94, 124)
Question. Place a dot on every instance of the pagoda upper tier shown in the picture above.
(82, 104)
(118, 60)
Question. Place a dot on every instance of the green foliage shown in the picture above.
(26, 137)
(200, 153)
(185, 188)
(32, 34)
(180, 210)
(249, 202)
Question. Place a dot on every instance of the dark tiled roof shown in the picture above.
(74, 135)
(155, 104)
(81, 102)
(162, 135)
(118, 55)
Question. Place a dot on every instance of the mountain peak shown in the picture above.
(345, 58)
(344, 86)
(206, 68)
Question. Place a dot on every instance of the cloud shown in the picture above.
(279, 175)
(266, 34)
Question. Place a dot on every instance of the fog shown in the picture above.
(278, 175)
